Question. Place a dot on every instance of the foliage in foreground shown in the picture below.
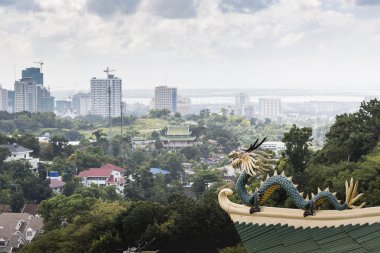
(83, 224)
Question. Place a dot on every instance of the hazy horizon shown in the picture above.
(271, 44)
(219, 92)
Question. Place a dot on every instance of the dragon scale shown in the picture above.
(285, 183)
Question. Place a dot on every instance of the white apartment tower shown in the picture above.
(270, 107)
(106, 95)
(165, 98)
(25, 95)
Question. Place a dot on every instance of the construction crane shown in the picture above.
(40, 63)
(108, 70)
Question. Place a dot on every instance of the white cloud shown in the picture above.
(81, 36)
(290, 39)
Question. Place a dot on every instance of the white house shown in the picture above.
(276, 146)
(56, 185)
(106, 175)
(18, 153)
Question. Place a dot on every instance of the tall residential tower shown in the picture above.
(106, 94)
(25, 95)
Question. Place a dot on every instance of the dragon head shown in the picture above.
(249, 161)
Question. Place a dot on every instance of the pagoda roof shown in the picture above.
(178, 130)
(282, 238)
(284, 229)
(178, 138)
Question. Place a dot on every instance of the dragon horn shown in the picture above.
(261, 143)
(252, 146)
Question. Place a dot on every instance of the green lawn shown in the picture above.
(142, 126)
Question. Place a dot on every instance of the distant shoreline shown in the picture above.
(199, 93)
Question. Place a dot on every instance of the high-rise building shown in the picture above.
(46, 101)
(30, 94)
(241, 103)
(11, 101)
(3, 99)
(165, 98)
(184, 106)
(81, 103)
(106, 96)
(25, 95)
(270, 107)
(35, 74)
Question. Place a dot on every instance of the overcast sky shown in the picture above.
(306, 44)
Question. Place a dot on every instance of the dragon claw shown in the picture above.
(308, 213)
(254, 210)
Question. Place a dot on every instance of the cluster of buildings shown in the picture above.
(29, 94)
(265, 108)
(104, 99)
(309, 113)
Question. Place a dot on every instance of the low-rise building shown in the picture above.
(158, 171)
(19, 153)
(17, 229)
(141, 143)
(228, 174)
(107, 175)
(177, 137)
(56, 185)
(276, 146)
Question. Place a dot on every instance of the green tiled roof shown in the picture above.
(178, 130)
(178, 138)
(282, 238)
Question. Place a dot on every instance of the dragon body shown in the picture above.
(253, 164)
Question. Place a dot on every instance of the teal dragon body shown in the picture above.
(251, 163)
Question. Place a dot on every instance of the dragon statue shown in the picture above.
(256, 163)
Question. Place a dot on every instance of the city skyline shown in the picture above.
(194, 44)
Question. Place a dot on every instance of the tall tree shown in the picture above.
(297, 151)
(352, 135)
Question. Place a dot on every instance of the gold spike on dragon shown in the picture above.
(253, 162)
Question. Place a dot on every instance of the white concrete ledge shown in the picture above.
(294, 217)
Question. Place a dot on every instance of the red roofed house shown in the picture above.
(108, 174)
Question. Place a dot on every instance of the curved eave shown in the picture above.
(294, 217)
